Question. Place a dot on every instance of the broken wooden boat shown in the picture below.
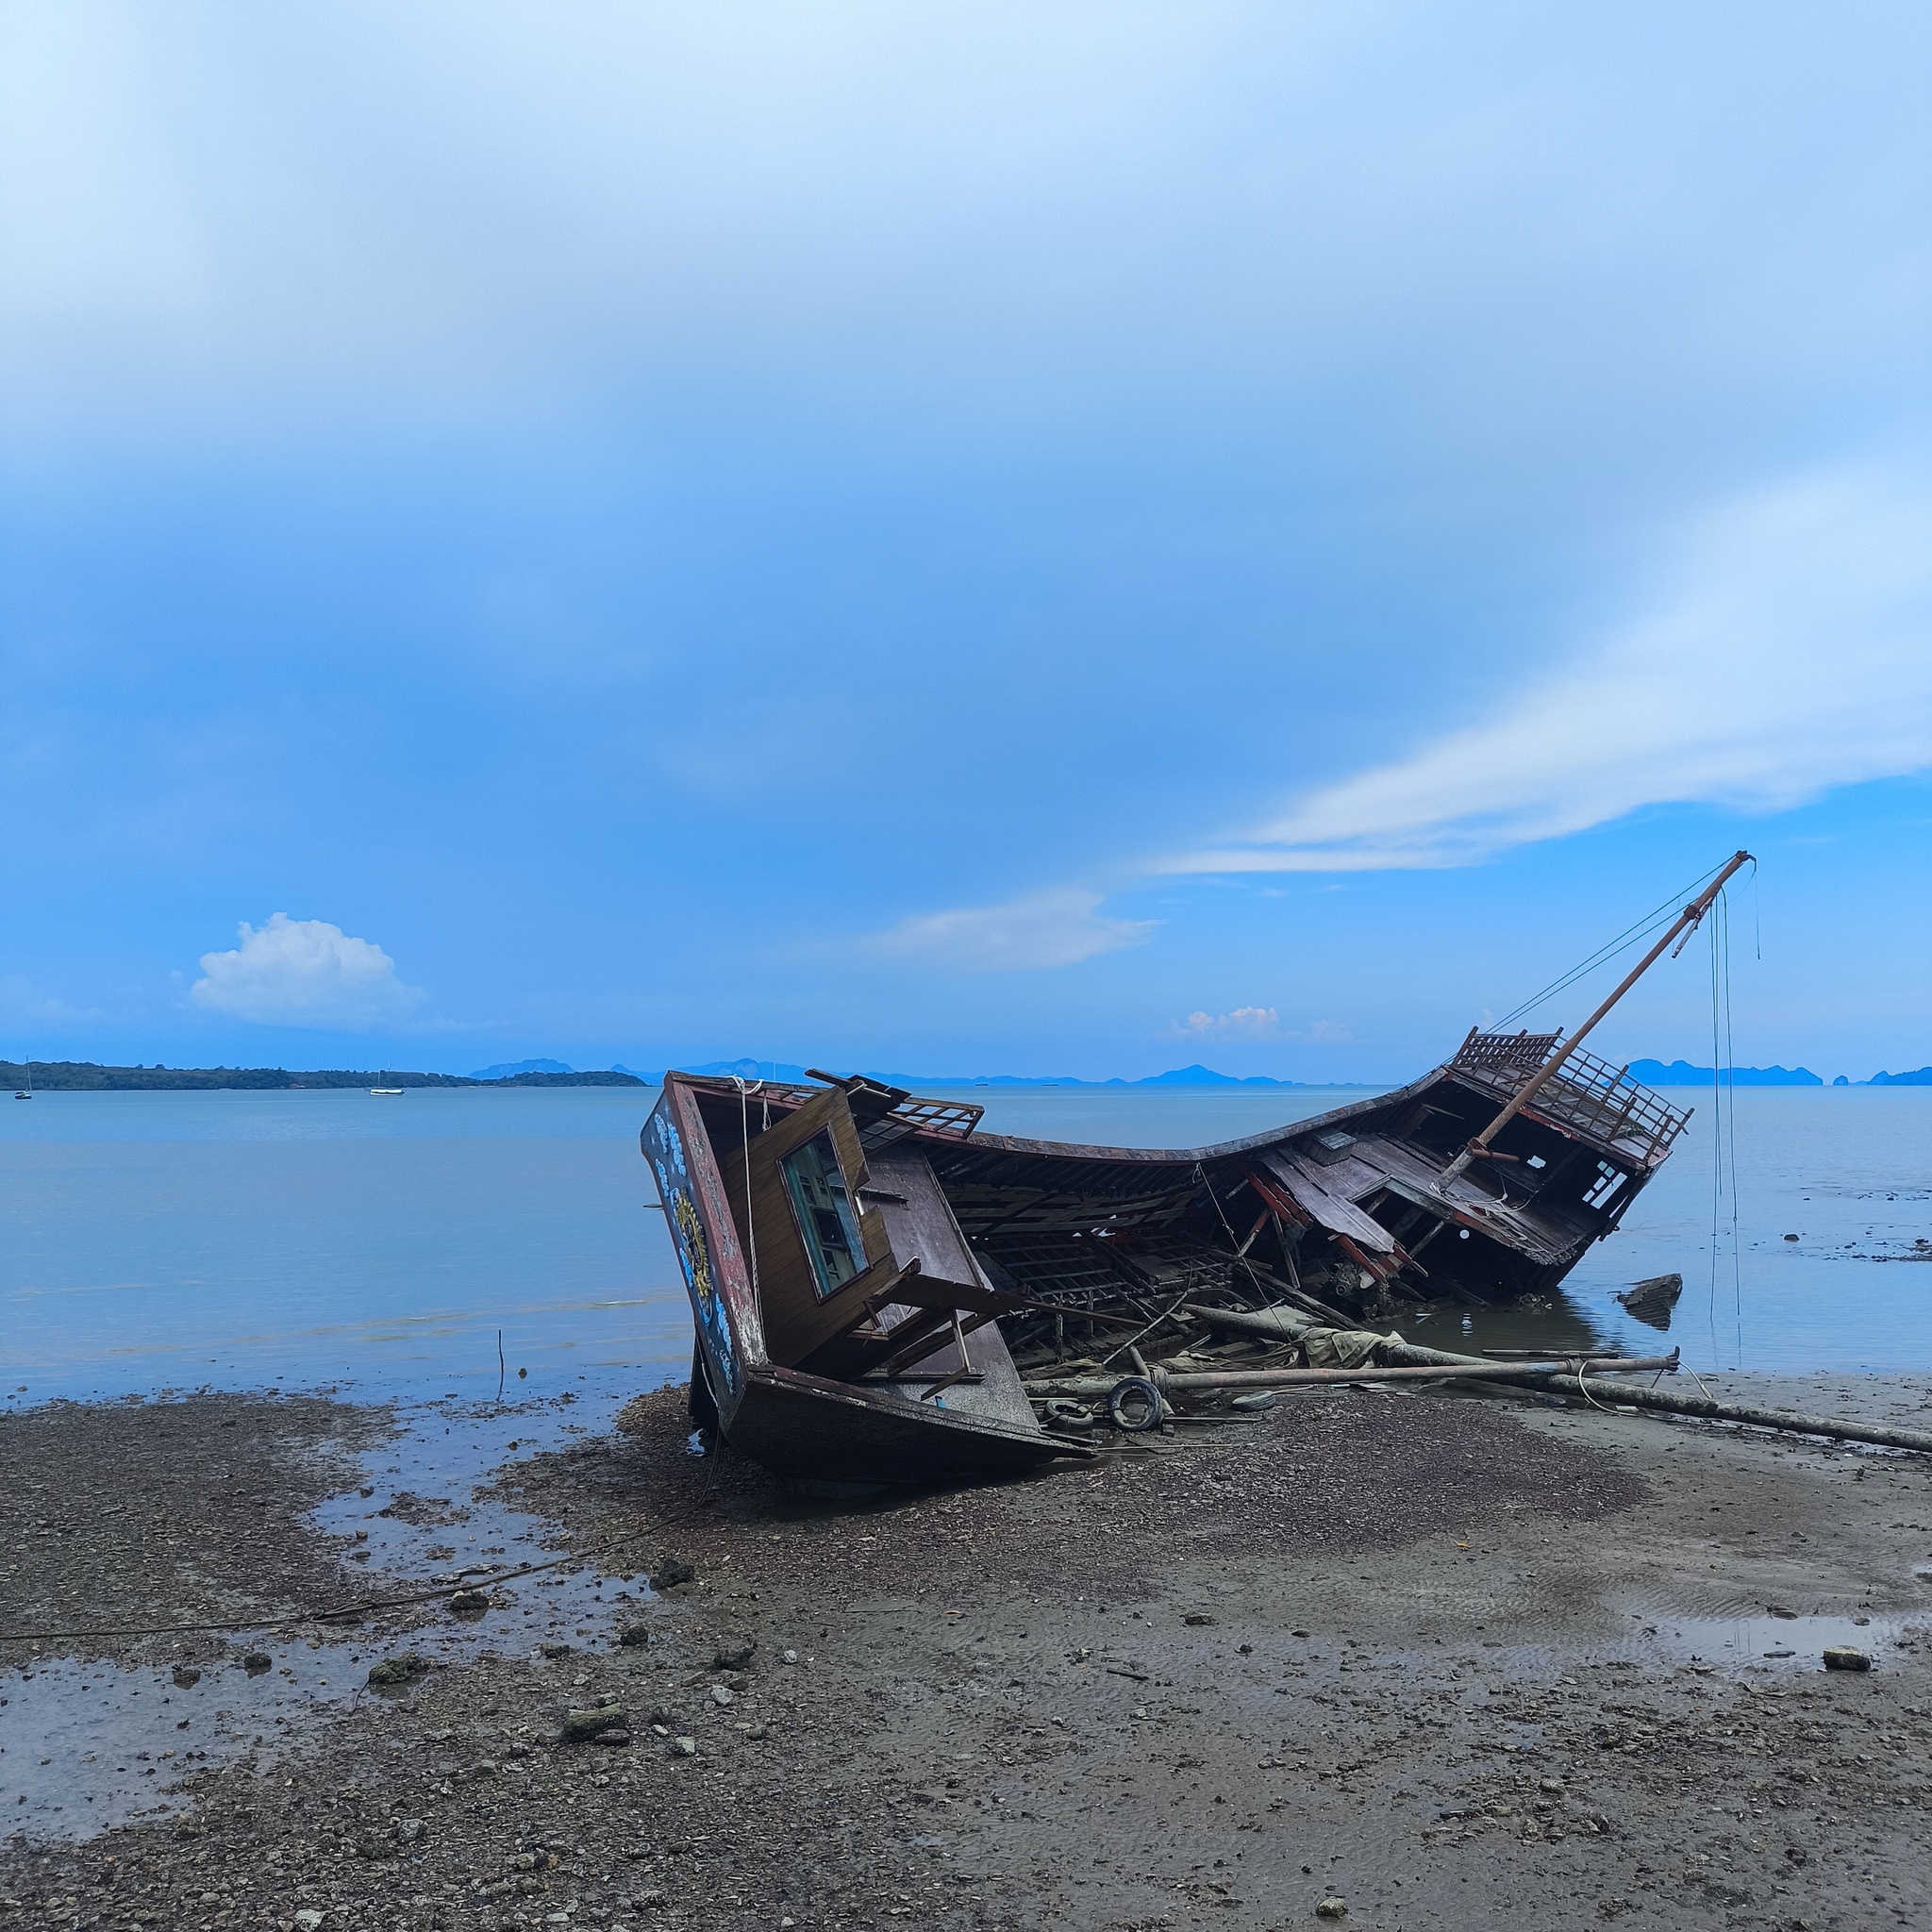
(851, 1248)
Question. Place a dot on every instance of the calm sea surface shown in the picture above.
(182, 1240)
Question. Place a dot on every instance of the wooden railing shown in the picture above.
(1588, 1094)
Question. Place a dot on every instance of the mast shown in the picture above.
(1686, 922)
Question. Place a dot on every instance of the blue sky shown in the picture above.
(960, 537)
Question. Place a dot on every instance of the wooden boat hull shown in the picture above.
(807, 1426)
(926, 1427)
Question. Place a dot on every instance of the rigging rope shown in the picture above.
(1631, 936)
(1723, 1132)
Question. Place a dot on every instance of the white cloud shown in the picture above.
(1259, 1022)
(1244, 1022)
(304, 973)
(1789, 651)
(1059, 927)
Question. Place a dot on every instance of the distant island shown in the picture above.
(1181, 1076)
(84, 1076)
(1682, 1074)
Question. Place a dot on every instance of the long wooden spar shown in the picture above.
(1686, 922)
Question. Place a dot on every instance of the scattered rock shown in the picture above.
(1841, 1657)
(308, 1920)
(1199, 1618)
(555, 1650)
(467, 1604)
(397, 1670)
(257, 1661)
(684, 1747)
(634, 1636)
(186, 1676)
(733, 1653)
(617, 1735)
(722, 1694)
(1331, 1907)
(1552, 1785)
(787, 1656)
(673, 1572)
(587, 1723)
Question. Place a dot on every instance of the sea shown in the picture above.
(455, 1243)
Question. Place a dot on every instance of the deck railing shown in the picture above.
(1586, 1093)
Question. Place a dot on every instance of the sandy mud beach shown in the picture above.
(1450, 1661)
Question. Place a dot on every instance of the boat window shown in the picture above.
(824, 1211)
(1605, 1184)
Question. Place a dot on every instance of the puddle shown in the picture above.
(1759, 1640)
(87, 1746)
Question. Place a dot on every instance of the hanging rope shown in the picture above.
(1724, 910)
(1631, 936)
(1723, 1135)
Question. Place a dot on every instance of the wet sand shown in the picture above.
(1454, 1660)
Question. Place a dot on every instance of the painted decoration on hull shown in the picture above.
(664, 1149)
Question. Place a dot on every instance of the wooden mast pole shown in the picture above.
(1686, 922)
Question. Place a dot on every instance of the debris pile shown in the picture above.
(1134, 1368)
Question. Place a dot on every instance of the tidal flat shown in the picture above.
(1447, 1659)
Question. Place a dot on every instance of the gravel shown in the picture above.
(1384, 1649)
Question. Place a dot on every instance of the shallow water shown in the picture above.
(86, 1746)
(232, 1239)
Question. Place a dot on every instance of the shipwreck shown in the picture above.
(881, 1291)
(864, 1263)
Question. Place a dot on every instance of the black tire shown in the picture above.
(1125, 1390)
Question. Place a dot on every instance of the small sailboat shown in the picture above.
(25, 1092)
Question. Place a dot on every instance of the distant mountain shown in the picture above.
(508, 1067)
(1682, 1074)
(1922, 1079)
(615, 1077)
(1181, 1076)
